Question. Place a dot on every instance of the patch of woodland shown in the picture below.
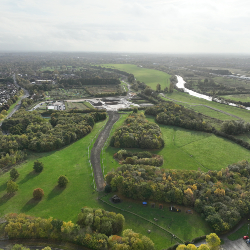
(138, 158)
(221, 197)
(169, 113)
(29, 130)
(137, 132)
(95, 229)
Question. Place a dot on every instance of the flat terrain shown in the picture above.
(149, 76)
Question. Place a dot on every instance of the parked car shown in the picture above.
(245, 237)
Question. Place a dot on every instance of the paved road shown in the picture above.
(97, 148)
(18, 104)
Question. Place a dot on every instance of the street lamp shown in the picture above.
(247, 228)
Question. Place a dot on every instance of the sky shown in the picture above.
(161, 26)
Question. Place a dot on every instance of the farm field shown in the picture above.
(185, 226)
(149, 76)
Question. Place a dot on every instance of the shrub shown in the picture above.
(108, 189)
(12, 187)
(38, 166)
(14, 174)
(38, 193)
(62, 181)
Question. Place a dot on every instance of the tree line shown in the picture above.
(94, 230)
(221, 197)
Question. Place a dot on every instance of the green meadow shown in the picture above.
(150, 76)
(186, 149)
(185, 226)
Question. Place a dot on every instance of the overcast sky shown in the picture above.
(167, 26)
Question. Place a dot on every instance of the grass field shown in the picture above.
(187, 100)
(239, 233)
(240, 97)
(71, 161)
(186, 149)
(213, 113)
(185, 226)
(149, 76)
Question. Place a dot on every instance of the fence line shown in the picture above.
(105, 144)
(89, 146)
(175, 236)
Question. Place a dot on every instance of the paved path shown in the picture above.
(97, 148)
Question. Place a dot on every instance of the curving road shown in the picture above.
(97, 148)
(18, 104)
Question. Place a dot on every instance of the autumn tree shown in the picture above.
(213, 241)
(38, 193)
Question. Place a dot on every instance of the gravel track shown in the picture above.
(97, 148)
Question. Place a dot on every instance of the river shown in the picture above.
(181, 85)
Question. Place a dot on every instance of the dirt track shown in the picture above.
(97, 148)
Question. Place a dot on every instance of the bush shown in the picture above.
(62, 181)
(12, 187)
(108, 189)
(38, 166)
(38, 193)
(14, 174)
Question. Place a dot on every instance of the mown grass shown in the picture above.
(64, 204)
(186, 149)
(239, 97)
(213, 113)
(185, 226)
(185, 99)
(150, 76)
(239, 233)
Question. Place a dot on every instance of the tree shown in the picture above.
(38, 194)
(171, 88)
(12, 187)
(213, 241)
(203, 247)
(158, 87)
(135, 110)
(19, 247)
(38, 166)
(14, 174)
(62, 181)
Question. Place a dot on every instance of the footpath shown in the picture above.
(97, 148)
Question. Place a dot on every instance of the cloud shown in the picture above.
(125, 25)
